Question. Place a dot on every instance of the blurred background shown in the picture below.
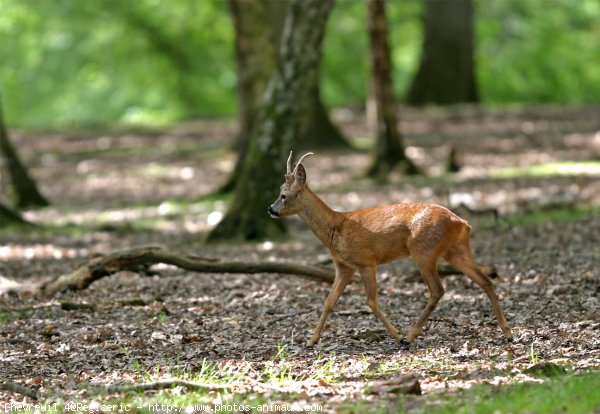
(108, 104)
(72, 63)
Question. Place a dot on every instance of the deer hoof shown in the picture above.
(404, 344)
(311, 343)
(410, 338)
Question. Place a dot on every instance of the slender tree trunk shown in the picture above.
(24, 188)
(389, 149)
(446, 73)
(278, 124)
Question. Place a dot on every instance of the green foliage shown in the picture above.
(533, 356)
(550, 169)
(539, 51)
(221, 376)
(71, 62)
(346, 31)
(572, 394)
(10, 315)
(555, 214)
(345, 64)
(5, 317)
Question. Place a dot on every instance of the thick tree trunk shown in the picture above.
(278, 125)
(389, 149)
(316, 128)
(25, 191)
(446, 73)
(258, 27)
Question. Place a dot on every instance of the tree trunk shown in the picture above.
(316, 128)
(25, 191)
(258, 26)
(389, 149)
(278, 124)
(446, 73)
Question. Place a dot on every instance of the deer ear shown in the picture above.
(300, 175)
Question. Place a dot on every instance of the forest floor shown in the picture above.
(538, 167)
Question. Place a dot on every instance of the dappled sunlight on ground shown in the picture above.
(117, 190)
(512, 160)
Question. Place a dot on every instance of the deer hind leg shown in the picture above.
(461, 258)
(428, 269)
(368, 275)
(343, 276)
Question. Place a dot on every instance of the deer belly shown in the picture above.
(380, 248)
(393, 252)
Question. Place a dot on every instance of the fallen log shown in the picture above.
(102, 266)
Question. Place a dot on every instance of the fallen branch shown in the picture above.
(113, 389)
(404, 384)
(99, 267)
(479, 212)
(154, 386)
(20, 389)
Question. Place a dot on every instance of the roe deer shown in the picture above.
(362, 239)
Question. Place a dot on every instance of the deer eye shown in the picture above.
(283, 196)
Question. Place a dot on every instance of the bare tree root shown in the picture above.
(99, 267)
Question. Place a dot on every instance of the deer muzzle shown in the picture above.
(272, 212)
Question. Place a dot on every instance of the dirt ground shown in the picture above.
(132, 188)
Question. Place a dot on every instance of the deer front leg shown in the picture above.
(343, 275)
(369, 275)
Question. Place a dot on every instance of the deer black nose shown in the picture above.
(272, 212)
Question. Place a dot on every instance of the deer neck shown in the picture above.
(319, 217)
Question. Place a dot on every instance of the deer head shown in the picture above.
(289, 201)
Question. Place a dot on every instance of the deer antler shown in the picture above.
(289, 164)
(300, 161)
